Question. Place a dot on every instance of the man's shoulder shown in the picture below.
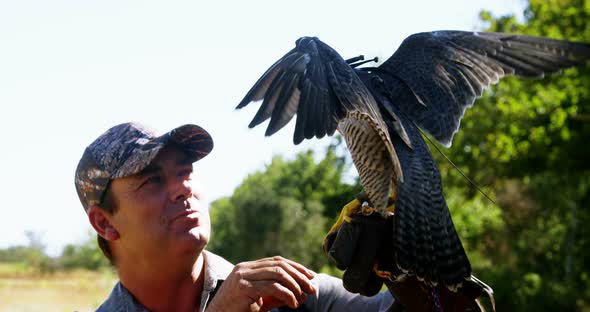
(216, 267)
(217, 261)
(120, 300)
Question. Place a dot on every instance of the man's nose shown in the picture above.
(181, 190)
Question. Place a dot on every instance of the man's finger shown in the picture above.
(270, 260)
(276, 291)
(274, 273)
(298, 272)
(300, 267)
(270, 303)
(256, 306)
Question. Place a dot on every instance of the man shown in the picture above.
(141, 196)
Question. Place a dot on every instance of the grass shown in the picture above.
(21, 289)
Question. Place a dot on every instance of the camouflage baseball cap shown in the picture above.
(128, 148)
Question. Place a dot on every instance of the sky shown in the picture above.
(69, 70)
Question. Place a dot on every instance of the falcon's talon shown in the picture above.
(383, 274)
(367, 211)
(391, 205)
(349, 209)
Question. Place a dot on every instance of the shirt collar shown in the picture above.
(216, 270)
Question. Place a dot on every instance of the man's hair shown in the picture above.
(108, 204)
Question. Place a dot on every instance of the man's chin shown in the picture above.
(194, 239)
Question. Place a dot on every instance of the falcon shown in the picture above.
(426, 85)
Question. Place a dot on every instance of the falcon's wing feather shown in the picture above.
(315, 83)
(447, 70)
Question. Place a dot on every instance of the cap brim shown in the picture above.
(194, 140)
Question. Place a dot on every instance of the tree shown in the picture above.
(86, 255)
(526, 142)
(284, 210)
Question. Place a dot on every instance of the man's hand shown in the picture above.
(264, 284)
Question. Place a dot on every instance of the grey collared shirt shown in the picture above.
(331, 295)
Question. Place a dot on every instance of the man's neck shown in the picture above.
(166, 287)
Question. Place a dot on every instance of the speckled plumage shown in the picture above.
(427, 83)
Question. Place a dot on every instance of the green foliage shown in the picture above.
(474, 218)
(32, 256)
(284, 210)
(86, 256)
(527, 142)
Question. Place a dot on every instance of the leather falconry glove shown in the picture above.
(361, 244)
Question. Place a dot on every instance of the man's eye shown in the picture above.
(152, 180)
(186, 172)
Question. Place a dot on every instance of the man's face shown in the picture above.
(160, 211)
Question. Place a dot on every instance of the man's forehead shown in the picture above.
(169, 154)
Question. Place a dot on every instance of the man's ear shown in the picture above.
(101, 224)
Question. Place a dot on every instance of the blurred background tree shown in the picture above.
(86, 255)
(526, 143)
(289, 199)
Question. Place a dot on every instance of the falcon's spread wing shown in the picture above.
(428, 83)
(447, 70)
(315, 83)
